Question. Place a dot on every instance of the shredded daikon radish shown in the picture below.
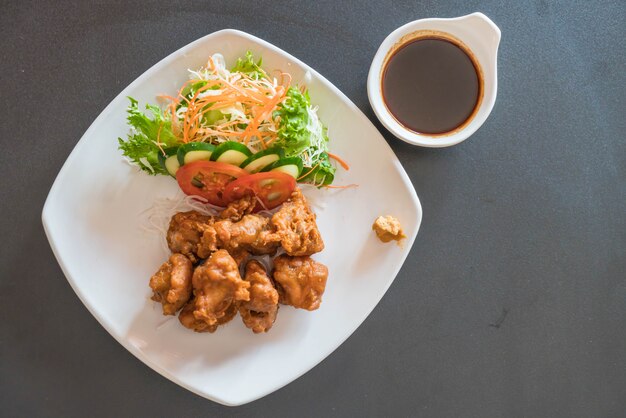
(156, 219)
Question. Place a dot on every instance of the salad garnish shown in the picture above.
(240, 116)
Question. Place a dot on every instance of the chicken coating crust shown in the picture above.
(239, 255)
(239, 208)
(300, 281)
(188, 320)
(296, 227)
(259, 322)
(253, 233)
(171, 284)
(217, 288)
(263, 295)
(185, 232)
(259, 313)
(209, 244)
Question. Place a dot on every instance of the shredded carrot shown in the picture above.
(185, 84)
(258, 99)
(339, 160)
(330, 186)
(263, 113)
(158, 141)
(308, 172)
(253, 99)
(269, 141)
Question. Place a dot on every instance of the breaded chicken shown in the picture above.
(253, 233)
(217, 288)
(296, 227)
(300, 281)
(188, 319)
(185, 231)
(239, 208)
(171, 285)
(259, 313)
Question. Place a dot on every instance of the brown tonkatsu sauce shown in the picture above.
(431, 85)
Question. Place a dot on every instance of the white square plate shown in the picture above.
(92, 218)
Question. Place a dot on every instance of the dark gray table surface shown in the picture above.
(513, 299)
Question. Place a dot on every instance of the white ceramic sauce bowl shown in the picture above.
(480, 35)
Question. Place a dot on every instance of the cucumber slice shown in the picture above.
(169, 161)
(172, 165)
(231, 152)
(194, 151)
(291, 166)
(262, 159)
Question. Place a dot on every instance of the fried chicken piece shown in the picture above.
(185, 231)
(171, 285)
(239, 255)
(209, 243)
(300, 281)
(259, 322)
(188, 320)
(296, 227)
(253, 233)
(263, 296)
(259, 313)
(217, 287)
(239, 208)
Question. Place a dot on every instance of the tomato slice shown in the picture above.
(208, 179)
(272, 188)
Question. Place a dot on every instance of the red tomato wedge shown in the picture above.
(208, 179)
(272, 188)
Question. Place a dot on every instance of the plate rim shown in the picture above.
(46, 218)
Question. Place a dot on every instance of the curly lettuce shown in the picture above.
(322, 174)
(141, 145)
(248, 66)
(301, 134)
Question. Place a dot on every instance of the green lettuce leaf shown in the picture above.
(293, 133)
(301, 134)
(140, 146)
(248, 66)
(322, 175)
(190, 89)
